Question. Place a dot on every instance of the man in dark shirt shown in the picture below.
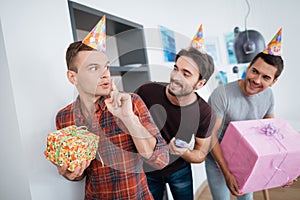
(179, 112)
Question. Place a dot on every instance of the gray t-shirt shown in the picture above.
(231, 104)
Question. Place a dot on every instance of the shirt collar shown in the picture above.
(101, 104)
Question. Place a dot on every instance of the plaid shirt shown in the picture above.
(122, 175)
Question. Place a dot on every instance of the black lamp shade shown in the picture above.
(245, 49)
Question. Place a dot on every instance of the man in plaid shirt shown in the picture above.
(128, 135)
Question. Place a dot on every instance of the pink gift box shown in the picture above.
(262, 154)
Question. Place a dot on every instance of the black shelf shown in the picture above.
(130, 43)
(128, 69)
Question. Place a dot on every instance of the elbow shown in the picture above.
(158, 160)
(199, 159)
(163, 162)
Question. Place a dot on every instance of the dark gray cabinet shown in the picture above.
(125, 43)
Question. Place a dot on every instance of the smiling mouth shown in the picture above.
(175, 84)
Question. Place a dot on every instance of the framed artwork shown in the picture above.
(229, 39)
(168, 44)
(213, 49)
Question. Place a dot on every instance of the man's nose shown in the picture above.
(176, 76)
(257, 79)
(104, 73)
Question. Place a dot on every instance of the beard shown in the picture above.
(184, 91)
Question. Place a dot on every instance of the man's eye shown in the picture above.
(93, 68)
(267, 78)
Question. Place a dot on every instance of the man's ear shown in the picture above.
(200, 84)
(274, 81)
(72, 77)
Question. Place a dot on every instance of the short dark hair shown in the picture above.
(204, 62)
(73, 50)
(275, 61)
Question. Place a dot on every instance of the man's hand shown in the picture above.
(290, 183)
(77, 174)
(119, 104)
(232, 185)
(173, 149)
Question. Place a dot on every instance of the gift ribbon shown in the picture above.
(78, 132)
(272, 131)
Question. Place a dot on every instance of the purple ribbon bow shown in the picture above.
(269, 129)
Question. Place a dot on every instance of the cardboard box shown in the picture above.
(71, 145)
(262, 154)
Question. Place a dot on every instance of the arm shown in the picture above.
(218, 101)
(197, 155)
(143, 140)
(218, 156)
(269, 116)
(141, 127)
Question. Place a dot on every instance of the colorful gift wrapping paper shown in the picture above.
(71, 145)
(262, 154)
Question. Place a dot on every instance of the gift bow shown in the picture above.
(269, 129)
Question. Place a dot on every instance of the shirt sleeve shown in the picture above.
(65, 117)
(58, 121)
(218, 101)
(270, 111)
(160, 156)
(207, 123)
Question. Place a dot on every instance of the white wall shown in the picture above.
(11, 154)
(35, 36)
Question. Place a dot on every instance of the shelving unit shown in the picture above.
(125, 43)
(122, 70)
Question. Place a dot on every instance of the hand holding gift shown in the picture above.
(77, 174)
(232, 185)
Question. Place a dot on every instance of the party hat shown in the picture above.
(198, 42)
(97, 37)
(274, 47)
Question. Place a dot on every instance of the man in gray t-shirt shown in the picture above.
(246, 99)
(231, 104)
